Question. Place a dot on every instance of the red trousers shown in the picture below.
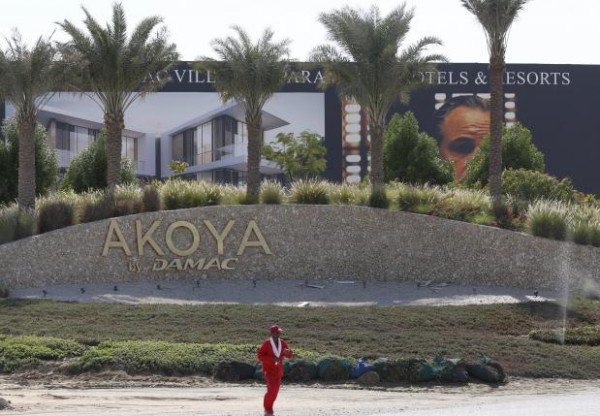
(273, 383)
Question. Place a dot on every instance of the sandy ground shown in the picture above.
(119, 394)
(116, 394)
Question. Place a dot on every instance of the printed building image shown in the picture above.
(187, 121)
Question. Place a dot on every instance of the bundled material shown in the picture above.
(392, 371)
(486, 370)
(334, 369)
(234, 371)
(453, 370)
(301, 371)
(420, 370)
(361, 367)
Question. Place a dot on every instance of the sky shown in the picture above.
(546, 31)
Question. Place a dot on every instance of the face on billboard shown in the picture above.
(462, 129)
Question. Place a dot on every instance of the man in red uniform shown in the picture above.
(271, 354)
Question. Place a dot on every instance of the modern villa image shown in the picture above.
(193, 127)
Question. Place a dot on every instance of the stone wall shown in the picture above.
(294, 242)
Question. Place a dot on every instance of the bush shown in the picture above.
(527, 186)
(178, 194)
(46, 164)
(271, 193)
(19, 352)
(465, 205)
(234, 195)
(378, 199)
(518, 152)
(87, 170)
(310, 192)
(585, 225)
(548, 219)
(151, 198)
(419, 199)
(127, 200)
(55, 212)
(94, 206)
(412, 157)
(586, 335)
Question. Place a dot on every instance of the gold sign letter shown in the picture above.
(219, 237)
(113, 228)
(195, 238)
(147, 238)
(260, 242)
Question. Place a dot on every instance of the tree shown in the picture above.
(113, 70)
(27, 79)
(301, 157)
(366, 66)
(496, 17)
(412, 157)
(250, 74)
(46, 164)
(518, 152)
(87, 170)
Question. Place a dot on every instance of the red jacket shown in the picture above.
(270, 363)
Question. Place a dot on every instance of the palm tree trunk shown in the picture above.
(26, 176)
(114, 123)
(376, 132)
(254, 154)
(497, 66)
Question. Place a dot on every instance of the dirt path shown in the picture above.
(172, 396)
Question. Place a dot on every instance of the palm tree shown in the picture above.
(367, 66)
(113, 70)
(250, 74)
(496, 17)
(27, 79)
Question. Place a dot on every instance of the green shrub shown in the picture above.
(518, 152)
(410, 156)
(233, 195)
(585, 225)
(19, 352)
(46, 164)
(151, 198)
(526, 186)
(420, 199)
(127, 200)
(310, 192)
(271, 193)
(464, 205)
(94, 206)
(548, 219)
(378, 199)
(178, 194)
(8, 222)
(55, 212)
(586, 335)
(87, 170)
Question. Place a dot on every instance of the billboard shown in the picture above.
(556, 102)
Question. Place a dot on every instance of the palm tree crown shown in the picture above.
(496, 17)
(366, 64)
(28, 76)
(113, 69)
(249, 73)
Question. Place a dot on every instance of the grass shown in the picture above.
(499, 331)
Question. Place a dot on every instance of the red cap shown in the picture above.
(275, 329)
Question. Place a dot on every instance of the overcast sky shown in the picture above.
(547, 31)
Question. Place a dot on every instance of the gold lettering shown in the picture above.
(113, 228)
(191, 264)
(225, 263)
(195, 238)
(214, 262)
(159, 264)
(147, 238)
(219, 237)
(175, 264)
(260, 242)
